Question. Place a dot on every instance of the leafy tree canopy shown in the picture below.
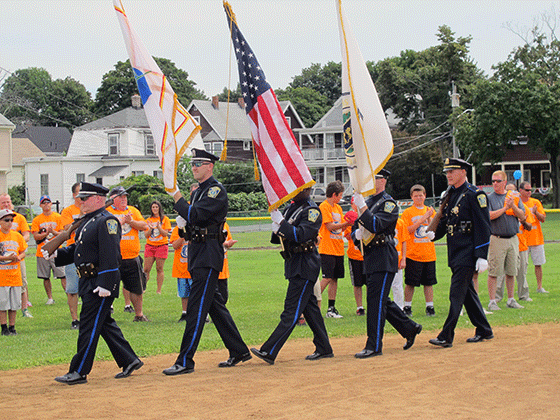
(119, 85)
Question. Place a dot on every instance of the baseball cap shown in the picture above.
(5, 212)
(118, 190)
(44, 198)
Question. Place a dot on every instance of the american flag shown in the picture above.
(283, 169)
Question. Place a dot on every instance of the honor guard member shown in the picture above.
(376, 229)
(205, 217)
(466, 221)
(96, 254)
(298, 229)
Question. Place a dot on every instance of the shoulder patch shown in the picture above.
(389, 206)
(482, 200)
(213, 192)
(112, 226)
(313, 215)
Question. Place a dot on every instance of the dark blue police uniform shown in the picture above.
(205, 216)
(380, 266)
(466, 221)
(96, 253)
(302, 221)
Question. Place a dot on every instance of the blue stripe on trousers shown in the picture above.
(92, 335)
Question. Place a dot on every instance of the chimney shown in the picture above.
(215, 102)
(136, 102)
(241, 102)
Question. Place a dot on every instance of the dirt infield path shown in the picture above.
(514, 376)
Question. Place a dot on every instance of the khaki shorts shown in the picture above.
(503, 256)
(537, 254)
(44, 268)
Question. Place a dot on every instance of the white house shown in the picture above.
(104, 151)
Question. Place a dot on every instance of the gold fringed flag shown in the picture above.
(172, 126)
(368, 142)
(284, 172)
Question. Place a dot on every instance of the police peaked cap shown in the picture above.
(383, 173)
(203, 155)
(87, 190)
(455, 163)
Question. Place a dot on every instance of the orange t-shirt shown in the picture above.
(535, 235)
(156, 238)
(224, 274)
(418, 248)
(20, 224)
(130, 241)
(39, 222)
(331, 241)
(12, 242)
(180, 269)
(69, 214)
(401, 235)
(353, 252)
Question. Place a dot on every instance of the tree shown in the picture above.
(234, 95)
(118, 86)
(71, 103)
(522, 100)
(146, 189)
(310, 104)
(325, 80)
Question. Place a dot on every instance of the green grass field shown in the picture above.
(257, 289)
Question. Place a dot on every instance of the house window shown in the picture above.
(246, 145)
(137, 173)
(158, 174)
(113, 144)
(149, 146)
(208, 147)
(99, 181)
(289, 119)
(196, 118)
(44, 184)
(80, 177)
(217, 148)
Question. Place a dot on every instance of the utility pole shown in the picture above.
(454, 104)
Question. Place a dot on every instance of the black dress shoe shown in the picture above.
(441, 343)
(410, 340)
(177, 370)
(71, 378)
(232, 361)
(137, 364)
(263, 355)
(317, 356)
(365, 353)
(478, 338)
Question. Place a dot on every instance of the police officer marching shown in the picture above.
(298, 227)
(465, 218)
(203, 220)
(377, 222)
(96, 254)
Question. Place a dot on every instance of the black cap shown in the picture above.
(455, 163)
(118, 190)
(87, 190)
(203, 155)
(383, 173)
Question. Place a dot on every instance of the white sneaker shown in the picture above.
(487, 312)
(26, 313)
(514, 305)
(49, 302)
(493, 306)
(541, 290)
(527, 299)
(333, 313)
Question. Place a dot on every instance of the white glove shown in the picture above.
(102, 292)
(430, 235)
(358, 234)
(275, 227)
(481, 265)
(276, 216)
(47, 256)
(426, 233)
(359, 200)
(172, 193)
(181, 222)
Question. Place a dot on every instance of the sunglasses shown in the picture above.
(199, 164)
(497, 180)
(9, 220)
(525, 189)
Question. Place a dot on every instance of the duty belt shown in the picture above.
(202, 234)
(378, 240)
(86, 271)
(289, 250)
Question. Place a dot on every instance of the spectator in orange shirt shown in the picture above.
(180, 270)
(401, 238)
(12, 251)
(421, 251)
(331, 247)
(44, 227)
(132, 272)
(156, 243)
(535, 238)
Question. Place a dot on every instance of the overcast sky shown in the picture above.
(82, 39)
